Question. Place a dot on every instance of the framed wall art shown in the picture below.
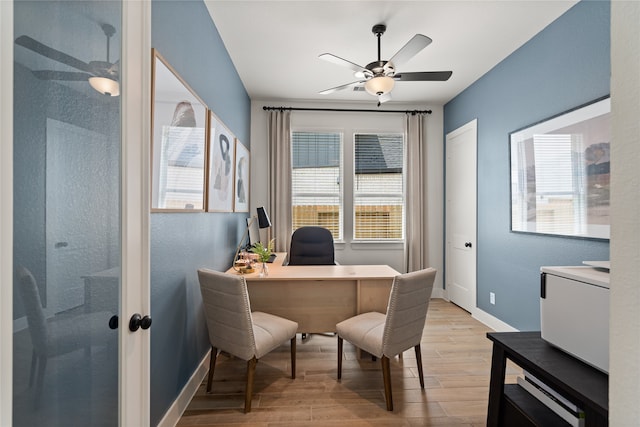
(560, 174)
(178, 144)
(241, 191)
(221, 167)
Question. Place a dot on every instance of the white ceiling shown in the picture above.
(275, 45)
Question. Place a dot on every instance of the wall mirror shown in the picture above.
(178, 142)
(560, 174)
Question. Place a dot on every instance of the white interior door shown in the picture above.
(461, 216)
(81, 234)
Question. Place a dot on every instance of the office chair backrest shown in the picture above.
(311, 246)
(228, 312)
(33, 307)
(407, 311)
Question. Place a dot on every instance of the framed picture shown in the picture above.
(178, 142)
(241, 192)
(560, 174)
(221, 167)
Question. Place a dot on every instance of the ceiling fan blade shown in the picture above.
(342, 62)
(61, 75)
(341, 87)
(56, 55)
(409, 50)
(424, 76)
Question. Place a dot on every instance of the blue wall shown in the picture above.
(564, 66)
(183, 32)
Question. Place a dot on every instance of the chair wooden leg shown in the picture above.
(386, 376)
(42, 366)
(251, 370)
(293, 358)
(340, 340)
(34, 363)
(419, 363)
(212, 367)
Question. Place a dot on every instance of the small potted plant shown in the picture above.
(263, 252)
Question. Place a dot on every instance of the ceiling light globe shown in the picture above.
(105, 86)
(379, 85)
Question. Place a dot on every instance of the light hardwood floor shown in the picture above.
(456, 357)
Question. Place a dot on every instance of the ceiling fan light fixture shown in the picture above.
(379, 85)
(105, 86)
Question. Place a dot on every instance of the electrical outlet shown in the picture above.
(492, 298)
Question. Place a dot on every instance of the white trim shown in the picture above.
(177, 408)
(439, 293)
(134, 373)
(480, 315)
(492, 322)
(6, 212)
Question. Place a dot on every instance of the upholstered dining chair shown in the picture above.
(385, 336)
(233, 328)
(311, 245)
(60, 334)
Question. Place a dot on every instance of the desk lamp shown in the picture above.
(263, 222)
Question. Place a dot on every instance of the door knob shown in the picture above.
(113, 322)
(467, 244)
(137, 321)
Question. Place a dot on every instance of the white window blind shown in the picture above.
(316, 180)
(560, 187)
(378, 187)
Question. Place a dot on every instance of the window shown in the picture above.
(378, 187)
(316, 180)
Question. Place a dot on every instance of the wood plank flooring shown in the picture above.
(456, 357)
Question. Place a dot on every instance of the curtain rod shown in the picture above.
(412, 112)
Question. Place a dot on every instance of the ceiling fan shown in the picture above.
(102, 75)
(379, 76)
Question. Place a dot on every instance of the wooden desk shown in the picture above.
(318, 297)
(102, 291)
(580, 383)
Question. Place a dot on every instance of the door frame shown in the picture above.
(134, 366)
(6, 212)
(471, 126)
(134, 348)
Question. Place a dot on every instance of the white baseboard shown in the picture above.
(492, 322)
(438, 293)
(480, 315)
(173, 414)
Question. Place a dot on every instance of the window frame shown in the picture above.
(347, 177)
(353, 183)
(341, 175)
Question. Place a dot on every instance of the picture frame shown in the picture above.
(178, 142)
(241, 178)
(221, 178)
(560, 174)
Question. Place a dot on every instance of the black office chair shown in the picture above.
(311, 246)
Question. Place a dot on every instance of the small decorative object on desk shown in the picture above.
(244, 263)
(263, 252)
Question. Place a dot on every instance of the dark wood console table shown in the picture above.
(511, 405)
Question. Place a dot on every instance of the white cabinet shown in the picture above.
(574, 312)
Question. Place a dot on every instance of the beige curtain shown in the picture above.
(280, 178)
(416, 187)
